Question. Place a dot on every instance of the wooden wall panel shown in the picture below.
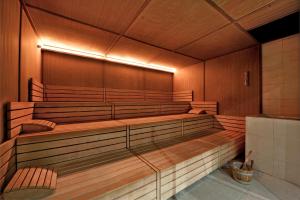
(123, 76)
(281, 81)
(67, 70)
(190, 78)
(157, 80)
(30, 57)
(224, 82)
(9, 55)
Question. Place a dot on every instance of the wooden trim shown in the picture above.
(211, 107)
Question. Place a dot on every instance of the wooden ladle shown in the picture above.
(247, 158)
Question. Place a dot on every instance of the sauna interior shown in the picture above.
(149, 99)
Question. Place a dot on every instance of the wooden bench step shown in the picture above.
(33, 182)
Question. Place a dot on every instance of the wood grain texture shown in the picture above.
(79, 71)
(220, 42)
(171, 24)
(275, 10)
(121, 76)
(9, 55)
(190, 78)
(60, 30)
(99, 12)
(158, 81)
(210, 107)
(239, 8)
(17, 114)
(280, 71)
(183, 95)
(224, 82)
(7, 162)
(37, 92)
(30, 57)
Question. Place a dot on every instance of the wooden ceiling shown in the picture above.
(175, 33)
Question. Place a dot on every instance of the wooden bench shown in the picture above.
(45, 92)
(33, 182)
(70, 143)
(72, 112)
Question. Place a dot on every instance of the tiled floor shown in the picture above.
(220, 186)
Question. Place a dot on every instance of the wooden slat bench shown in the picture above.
(123, 95)
(72, 112)
(36, 91)
(183, 96)
(32, 182)
(70, 142)
(71, 93)
(211, 107)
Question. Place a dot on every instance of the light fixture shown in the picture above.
(61, 48)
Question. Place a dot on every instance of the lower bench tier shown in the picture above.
(155, 171)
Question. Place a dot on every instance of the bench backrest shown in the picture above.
(7, 162)
(45, 92)
(36, 91)
(232, 123)
(211, 107)
(174, 108)
(18, 112)
(71, 93)
(72, 112)
(122, 95)
(183, 95)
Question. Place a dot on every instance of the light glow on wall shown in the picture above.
(61, 48)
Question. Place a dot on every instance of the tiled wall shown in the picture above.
(276, 146)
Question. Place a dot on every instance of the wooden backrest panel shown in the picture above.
(197, 124)
(36, 91)
(72, 112)
(233, 123)
(183, 95)
(18, 112)
(7, 162)
(174, 108)
(71, 93)
(211, 107)
(70, 143)
(137, 109)
(158, 96)
(122, 95)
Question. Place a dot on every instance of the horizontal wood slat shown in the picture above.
(211, 107)
(71, 112)
(183, 96)
(36, 91)
(18, 113)
(7, 162)
(233, 123)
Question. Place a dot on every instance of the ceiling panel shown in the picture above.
(168, 58)
(223, 41)
(238, 8)
(60, 30)
(274, 11)
(174, 23)
(132, 49)
(114, 15)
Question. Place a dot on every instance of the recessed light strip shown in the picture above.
(96, 55)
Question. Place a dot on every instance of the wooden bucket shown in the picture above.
(241, 175)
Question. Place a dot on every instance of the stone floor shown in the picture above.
(220, 186)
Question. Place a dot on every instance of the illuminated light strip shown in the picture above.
(90, 54)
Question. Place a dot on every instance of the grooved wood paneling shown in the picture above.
(9, 55)
(173, 23)
(30, 57)
(224, 82)
(123, 76)
(113, 15)
(273, 11)
(239, 8)
(67, 70)
(221, 42)
(156, 80)
(190, 78)
(281, 82)
(66, 32)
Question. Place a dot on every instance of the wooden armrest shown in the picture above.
(32, 126)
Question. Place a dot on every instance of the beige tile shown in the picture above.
(279, 169)
(292, 173)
